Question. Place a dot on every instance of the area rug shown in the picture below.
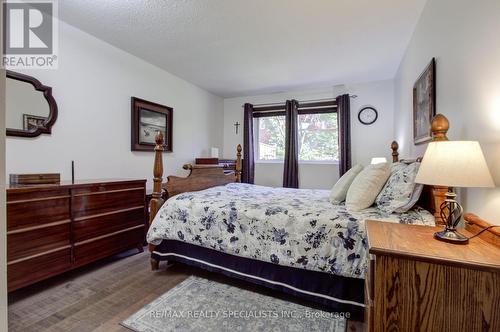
(199, 304)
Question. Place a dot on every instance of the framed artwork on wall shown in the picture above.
(424, 104)
(147, 119)
(32, 122)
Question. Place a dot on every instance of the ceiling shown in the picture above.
(247, 47)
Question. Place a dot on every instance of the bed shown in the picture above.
(292, 240)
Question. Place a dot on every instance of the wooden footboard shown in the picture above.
(200, 177)
(203, 177)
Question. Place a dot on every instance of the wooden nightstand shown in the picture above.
(417, 283)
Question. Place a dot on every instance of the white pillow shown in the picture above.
(366, 186)
(339, 190)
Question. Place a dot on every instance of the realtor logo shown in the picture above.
(29, 34)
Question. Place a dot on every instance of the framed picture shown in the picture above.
(424, 104)
(147, 119)
(32, 122)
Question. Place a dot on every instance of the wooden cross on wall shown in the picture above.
(237, 125)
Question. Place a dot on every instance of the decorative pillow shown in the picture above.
(366, 186)
(339, 190)
(400, 193)
(397, 167)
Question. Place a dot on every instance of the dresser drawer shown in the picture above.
(32, 194)
(94, 203)
(113, 187)
(85, 228)
(28, 271)
(96, 248)
(28, 242)
(23, 213)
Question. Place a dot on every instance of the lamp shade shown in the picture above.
(454, 164)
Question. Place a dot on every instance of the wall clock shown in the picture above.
(367, 115)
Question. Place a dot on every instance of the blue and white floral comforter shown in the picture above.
(291, 227)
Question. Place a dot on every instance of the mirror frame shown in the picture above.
(46, 127)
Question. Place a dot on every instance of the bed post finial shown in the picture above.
(156, 200)
(395, 153)
(439, 127)
(238, 163)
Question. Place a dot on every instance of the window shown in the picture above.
(271, 138)
(317, 136)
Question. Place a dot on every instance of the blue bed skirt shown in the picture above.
(336, 293)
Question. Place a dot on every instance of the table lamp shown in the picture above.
(453, 164)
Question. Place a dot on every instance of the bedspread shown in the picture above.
(292, 227)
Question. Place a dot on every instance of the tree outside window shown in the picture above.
(318, 137)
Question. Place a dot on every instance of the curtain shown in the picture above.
(248, 149)
(291, 169)
(344, 125)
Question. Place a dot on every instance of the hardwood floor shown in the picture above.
(99, 296)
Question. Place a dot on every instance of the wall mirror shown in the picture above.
(30, 108)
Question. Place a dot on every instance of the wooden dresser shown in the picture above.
(417, 283)
(55, 228)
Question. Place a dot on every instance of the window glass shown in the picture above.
(318, 137)
(271, 138)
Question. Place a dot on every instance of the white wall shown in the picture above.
(3, 221)
(93, 86)
(463, 36)
(367, 141)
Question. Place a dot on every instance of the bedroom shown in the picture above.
(204, 63)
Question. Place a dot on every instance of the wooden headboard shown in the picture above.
(432, 196)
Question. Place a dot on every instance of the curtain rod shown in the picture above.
(300, 101)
